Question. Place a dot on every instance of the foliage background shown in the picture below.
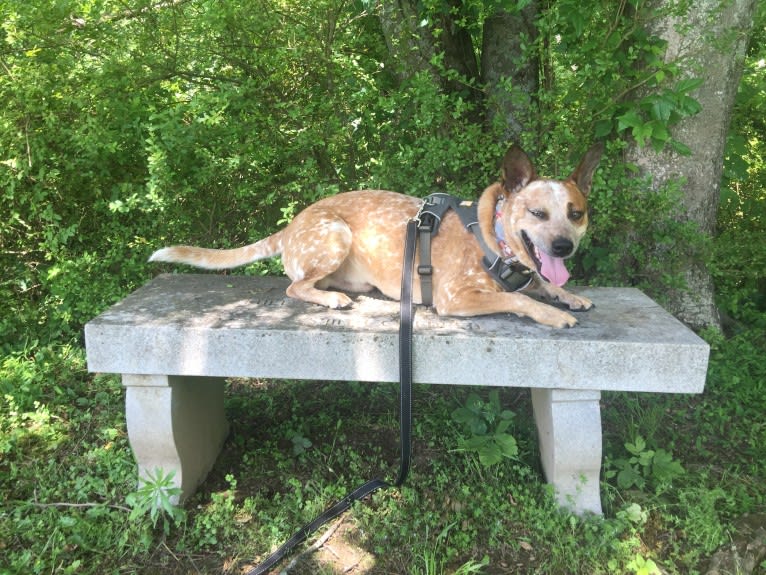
(129, 126)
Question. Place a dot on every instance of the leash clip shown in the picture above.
(427, 218)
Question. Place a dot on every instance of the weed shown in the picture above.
(434, 559)
(154, 497)
(645, 467)
(702, 519)
(487, 423)
(300, 444)
(641, 566)
(217, 521)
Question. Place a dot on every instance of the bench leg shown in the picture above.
(176, 424)
(569, 429)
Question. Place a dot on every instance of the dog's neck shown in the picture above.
(505, 250)
(487, 213)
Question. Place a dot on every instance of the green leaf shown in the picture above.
(630, 477)
(474, 403)
(463, 415)
(476, 443)
(688, 84)
(478, 427)
(665, 468)
(630, 119)
(637, 446)
(635, 514)
(662, 107)
(507, 444)
(507, 414)
(645, 458)
(688, 106)
(602, 129)
(642, 133)
(490, 455)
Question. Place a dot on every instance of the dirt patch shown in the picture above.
(747, 550)
(334, 552)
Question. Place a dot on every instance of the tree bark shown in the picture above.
(412, 43)
(710, 43)
(409, 42)
(511, 76)
(459, 53)
(509, 73)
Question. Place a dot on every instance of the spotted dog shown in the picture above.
(354, 242)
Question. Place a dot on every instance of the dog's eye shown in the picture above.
(576, 215)
(539, 214)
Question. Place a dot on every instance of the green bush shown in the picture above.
(125, 127)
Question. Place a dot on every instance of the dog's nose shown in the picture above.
(562, 247)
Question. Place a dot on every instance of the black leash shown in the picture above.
(406, 314)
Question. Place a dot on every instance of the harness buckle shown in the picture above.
(425, 222)
(491, 266)
(425, 270)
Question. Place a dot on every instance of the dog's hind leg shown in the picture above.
(317, 244)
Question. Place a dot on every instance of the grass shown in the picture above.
(69, 499)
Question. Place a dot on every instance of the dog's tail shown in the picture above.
(220, 259)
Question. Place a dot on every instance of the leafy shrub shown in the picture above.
(738, 262)
(487, 425)
(655, 468)
(636, 237)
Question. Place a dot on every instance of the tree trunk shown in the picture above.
(712, 47)
(409, 42)
(511, 76)
(412, 43)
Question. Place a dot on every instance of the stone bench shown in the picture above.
(175, 340)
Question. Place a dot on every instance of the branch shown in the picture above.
(316, 545)
(64, 504)
(129, 14)
(625, 92)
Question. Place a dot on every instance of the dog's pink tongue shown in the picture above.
(553, 269)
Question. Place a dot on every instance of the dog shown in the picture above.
(354, 242)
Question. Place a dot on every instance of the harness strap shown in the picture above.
(428, 219)
(509, 274)
(406, 314)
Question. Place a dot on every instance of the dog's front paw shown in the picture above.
(553, 317)
(561, 296)
(561, 320)
(576, 302)
(337, 300)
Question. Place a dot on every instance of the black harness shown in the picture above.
(510, 274)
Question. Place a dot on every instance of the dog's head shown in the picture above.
(543, 220)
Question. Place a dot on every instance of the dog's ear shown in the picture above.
(517, 170)
(583, 174)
